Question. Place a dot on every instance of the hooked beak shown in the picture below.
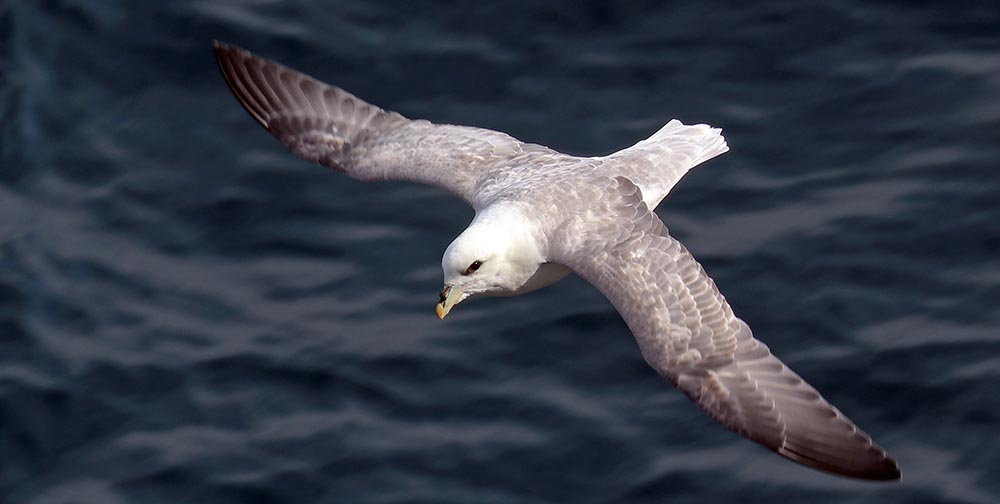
(450, 296)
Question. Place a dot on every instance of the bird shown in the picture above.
(541, 214)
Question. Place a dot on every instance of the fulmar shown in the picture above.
(540, 214)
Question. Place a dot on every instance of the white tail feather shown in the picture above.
(657, 163)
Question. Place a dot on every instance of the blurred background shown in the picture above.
(188, 313)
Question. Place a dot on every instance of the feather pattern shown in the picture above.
(593, 216)
(327, 125)
(688, 333)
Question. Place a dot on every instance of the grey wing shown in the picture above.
(688, 333)
(332, 127)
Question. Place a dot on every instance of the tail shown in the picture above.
(657, 163)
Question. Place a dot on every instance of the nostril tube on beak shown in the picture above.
(450, 296)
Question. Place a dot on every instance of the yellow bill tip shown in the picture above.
(449, 297)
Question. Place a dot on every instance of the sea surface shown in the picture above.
(190, 314)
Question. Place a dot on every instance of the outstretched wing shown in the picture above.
(332, 127)
(688, 333)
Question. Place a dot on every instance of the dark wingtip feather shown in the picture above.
(227, 55)
(884, 468)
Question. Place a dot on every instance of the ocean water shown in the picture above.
(188, 313)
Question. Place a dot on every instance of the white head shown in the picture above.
(495, 256)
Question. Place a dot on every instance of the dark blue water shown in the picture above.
(188, 313)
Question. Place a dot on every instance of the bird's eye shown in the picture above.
(473, 267)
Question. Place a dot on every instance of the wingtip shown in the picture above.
(888, 475)
(885, 469)
(229, 57)
(224, 50)
(220, 48)
(891, 472)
